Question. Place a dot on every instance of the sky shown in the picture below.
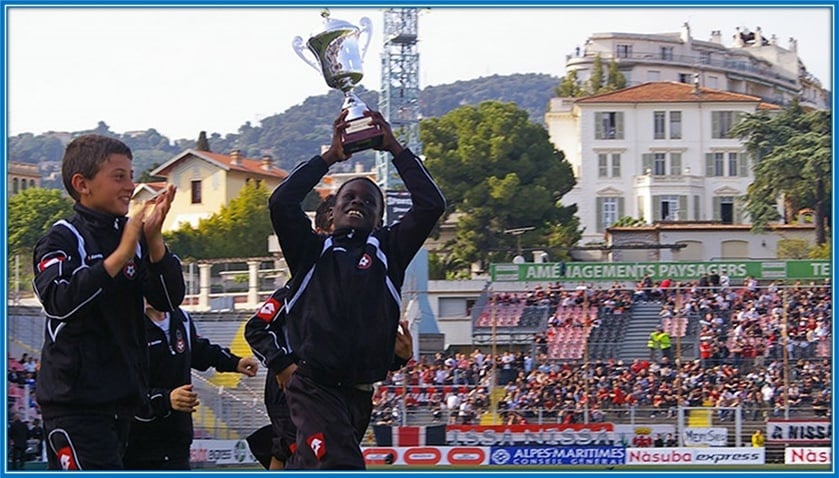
(184, 70)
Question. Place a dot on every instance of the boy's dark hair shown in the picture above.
(323, 222)
(85, 155)
(376, 186)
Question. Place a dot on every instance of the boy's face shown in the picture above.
(358, 206)
(110, 190)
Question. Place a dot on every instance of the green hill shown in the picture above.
(297, 133)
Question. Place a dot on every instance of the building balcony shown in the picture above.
(739, 66)
(651, 181)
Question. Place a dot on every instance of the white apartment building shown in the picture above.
(752, 64)
(657, 151)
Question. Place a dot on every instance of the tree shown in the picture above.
(203, 144)
(792, 161)
(615, 79)
(501, 172)
(628, 221)
(595, 83)
(240, 229)
(569, 87)
(31, 213)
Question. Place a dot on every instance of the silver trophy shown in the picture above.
(339, 56)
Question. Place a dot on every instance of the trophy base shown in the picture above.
(361, 135)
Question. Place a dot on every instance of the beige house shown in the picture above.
(206, 181)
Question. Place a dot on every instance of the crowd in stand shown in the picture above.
(741, 360)
(25, 433)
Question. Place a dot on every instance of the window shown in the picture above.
(667, 53)
(608, 125)
(724, 210)
(653, 75)
(608, 165)
(685, 78)
(719, 164)
(731, 164)
(609, 210)
(624, 51)
(659, 164)
(722, 122)
(23, 185)
(736, 165)
(712, 82)
(14, 186)
(602, 165)
(705, 57)
(669, 208)
(659, 125)
(196, 192)
(675, 125)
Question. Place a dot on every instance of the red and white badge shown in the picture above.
(365, 262)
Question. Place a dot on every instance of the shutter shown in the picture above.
(743, 164)
(709, 164)
(616, 165)
(696, 210)
(717, 208)
(715, 124)
(656, 208)
(646, 163)
(676, 164)
(598, 126)
(599, 209)
(738, 211)
(621, 212)
(618, 125)
(641, 210)
(683, 208)
(602, 165)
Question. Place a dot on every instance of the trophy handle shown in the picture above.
(366, 27)
(298, 46)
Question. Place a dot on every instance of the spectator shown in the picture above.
(758, 439)
(653, 343)
(37, 433)
(18, 437)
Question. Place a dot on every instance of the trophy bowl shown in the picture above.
(338, 59)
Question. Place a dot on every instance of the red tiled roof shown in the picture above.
(669, 92)
(246, 165)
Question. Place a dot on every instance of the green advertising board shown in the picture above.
(681, 271)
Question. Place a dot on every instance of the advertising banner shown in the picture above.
(696, 436)
(677, 271)
(799, 431)
(812, 455)
(512, 435)
(221, 452)
(557, 455)
(696, 456)
(640, 436)
(427, 455)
